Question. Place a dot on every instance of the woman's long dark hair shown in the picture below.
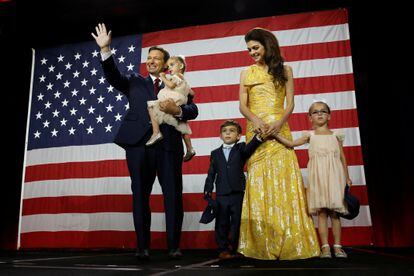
(273, 57)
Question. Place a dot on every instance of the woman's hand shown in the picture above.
(349, 182)
(259, 126)
(274, 128)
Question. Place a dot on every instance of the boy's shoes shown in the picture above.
(238, 255)
(226, 255)
(190, 154)
(154, 139)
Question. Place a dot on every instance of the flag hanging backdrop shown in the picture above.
(76, 187)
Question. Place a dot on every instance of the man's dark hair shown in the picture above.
(165, 52)
(231, 123)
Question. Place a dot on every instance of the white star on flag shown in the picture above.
(68, 66)
(90, 129)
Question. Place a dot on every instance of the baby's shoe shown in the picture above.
(327, 253)
(190, 154)
(339, 252)
(154, 139)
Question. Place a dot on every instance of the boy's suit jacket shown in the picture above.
(229, 175)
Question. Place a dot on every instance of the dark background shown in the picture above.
(382, 60)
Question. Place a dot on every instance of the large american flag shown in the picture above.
(76, 187)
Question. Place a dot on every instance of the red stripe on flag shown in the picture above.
(303, 86)
(274, 23)
(353, 156)
(352, 236)
(324, 84)
(127, 239)
(111, 168)
(67, 170)
(200, 164)
(192, 202)
(297, 122)
(112, 239)
(361, 192)
(291, 53)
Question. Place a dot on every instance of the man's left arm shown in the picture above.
(189, 111)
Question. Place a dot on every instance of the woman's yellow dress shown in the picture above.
(274, 223)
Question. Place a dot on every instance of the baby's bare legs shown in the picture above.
(156, 134)
(187, 142)
(154, 123)
(190, 151)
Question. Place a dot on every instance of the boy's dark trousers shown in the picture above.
(228, 221)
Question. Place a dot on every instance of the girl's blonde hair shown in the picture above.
(321, 102)
(181, 60)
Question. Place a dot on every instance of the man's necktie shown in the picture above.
(156, 86)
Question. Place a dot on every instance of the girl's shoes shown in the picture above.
(339, 252)
(154, 139)
(190, 154)
(325, 253)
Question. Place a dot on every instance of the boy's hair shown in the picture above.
(180, 60)
(320, 102)
(162, 50)
(231, 123)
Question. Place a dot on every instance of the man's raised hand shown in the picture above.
(102, 37)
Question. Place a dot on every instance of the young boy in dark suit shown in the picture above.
(227, 172)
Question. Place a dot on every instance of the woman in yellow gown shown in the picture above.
(274, 223)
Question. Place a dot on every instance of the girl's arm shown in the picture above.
(344, 164)
(258, 124)
(169, 83)
(298, 142)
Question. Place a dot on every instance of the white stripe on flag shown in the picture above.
(230, 109)
(301, 69)
(236, 43)
(104, 222)
(363, 219)
(74, 153)
(123, 222)
(204, 146)
(111, 151)
(192, 183)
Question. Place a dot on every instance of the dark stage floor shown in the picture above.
(361, 261)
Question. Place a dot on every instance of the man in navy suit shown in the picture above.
(227, 172)
(164, 159)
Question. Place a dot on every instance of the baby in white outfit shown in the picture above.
(177, 89)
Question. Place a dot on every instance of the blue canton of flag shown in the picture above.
(72, 102)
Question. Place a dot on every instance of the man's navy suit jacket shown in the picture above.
(136, 126)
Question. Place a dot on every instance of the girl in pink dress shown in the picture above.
(327, 175)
